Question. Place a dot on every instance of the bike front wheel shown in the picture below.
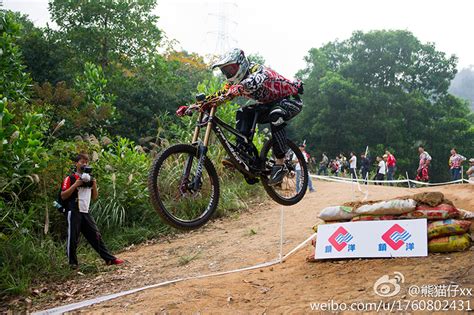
(293, 187)
(181, 200)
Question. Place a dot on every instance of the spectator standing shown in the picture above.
(391, 166)
(343, 164)
(422, 173)
(77, 191)
(365, 167)
(338, 164)
(381, 170)
(353, 165)
(323, 165)
(455, 161)
(298, 169)
(333, 167)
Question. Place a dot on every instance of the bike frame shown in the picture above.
(213, 123)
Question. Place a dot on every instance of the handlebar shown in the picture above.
(204, 105)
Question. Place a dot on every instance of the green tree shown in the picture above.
(45, 58)
(107, 31)
(148, 90)
(384, 89)
(463, 85)
(86, 108)
(14, 82)
(257, 58)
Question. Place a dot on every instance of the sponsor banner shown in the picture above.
(387, 238)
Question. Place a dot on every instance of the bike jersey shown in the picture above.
(264, 85)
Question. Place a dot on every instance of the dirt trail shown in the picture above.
(250, 238)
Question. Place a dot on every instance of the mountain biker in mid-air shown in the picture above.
(279, 95)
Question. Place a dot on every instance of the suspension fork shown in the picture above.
(197, 129)
(202, 149)
(189, 161)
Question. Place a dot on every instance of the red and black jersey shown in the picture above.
(266, 85)
(263, 85)
(67, 182)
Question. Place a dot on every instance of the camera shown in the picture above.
(86, 176)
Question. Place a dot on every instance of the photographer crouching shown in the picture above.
(76, 193)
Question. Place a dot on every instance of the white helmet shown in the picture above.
(234, 65)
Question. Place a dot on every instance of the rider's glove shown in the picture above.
(181, 111)
(299, 86)
(235, 90)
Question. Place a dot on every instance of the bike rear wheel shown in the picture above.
(174, 197)
(286, 193)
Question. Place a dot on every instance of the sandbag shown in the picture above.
(336, 213)
(440, 212)
(454, 243)
(389, 207)
(376, 217)
(447, 228)
(429, 198)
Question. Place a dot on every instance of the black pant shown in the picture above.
(364, 173)
(353, 173)
(277, 114)
(379, 177)
(79, 222)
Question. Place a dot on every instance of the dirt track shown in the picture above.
(253, 237)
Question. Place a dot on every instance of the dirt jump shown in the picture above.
(253, 237)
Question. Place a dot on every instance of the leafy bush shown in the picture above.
(122, 173)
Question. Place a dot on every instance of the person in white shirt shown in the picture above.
(353, 165)
(381, 169)
(422, 173)
(455, 164)
(76, 192)
(298, 169)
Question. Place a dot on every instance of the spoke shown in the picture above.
(178, 198)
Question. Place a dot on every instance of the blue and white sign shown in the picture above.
(390, 238)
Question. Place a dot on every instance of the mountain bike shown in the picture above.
(183, 182)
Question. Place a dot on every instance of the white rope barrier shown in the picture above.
(436, 184)
(366, 193)
(406, 181)
(297, 248)
(336, 178)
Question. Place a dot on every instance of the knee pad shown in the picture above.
(277, 116)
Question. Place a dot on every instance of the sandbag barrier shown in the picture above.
(448, 228)
(397, 181)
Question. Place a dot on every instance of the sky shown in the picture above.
(282, 32)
